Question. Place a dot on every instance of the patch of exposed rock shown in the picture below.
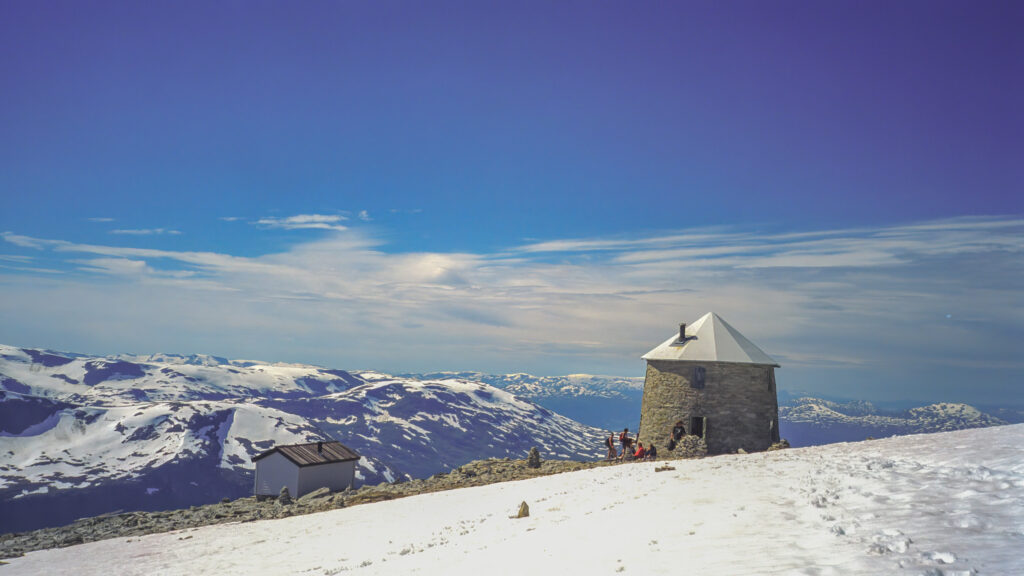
(132, 524)
(689, 446)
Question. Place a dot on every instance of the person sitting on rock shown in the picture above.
(640, 452)
(652, 452)
(678, 431)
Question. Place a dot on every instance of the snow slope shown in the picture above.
(948, 503)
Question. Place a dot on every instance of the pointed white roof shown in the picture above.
(710, 339)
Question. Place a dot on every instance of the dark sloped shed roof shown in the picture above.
(309, 455)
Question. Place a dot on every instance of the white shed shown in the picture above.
(304, 468)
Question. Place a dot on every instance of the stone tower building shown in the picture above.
(717, 383)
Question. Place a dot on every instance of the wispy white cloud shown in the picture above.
(100, 219)
(31, 269)
(231, 218)
(305, 221)
(145, 231)
(15, 258)
(28, 242)
(616, 244)
(115, 266)
(364, 216)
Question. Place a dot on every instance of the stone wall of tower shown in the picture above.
(738, 401)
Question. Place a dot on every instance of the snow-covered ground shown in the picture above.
(949, 503)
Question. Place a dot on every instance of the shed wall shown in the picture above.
(738, 400)
(276, 471)
(336, 476)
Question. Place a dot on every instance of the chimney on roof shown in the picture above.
(682, 331)
(319, 447)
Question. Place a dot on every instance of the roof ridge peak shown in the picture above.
(710, 339)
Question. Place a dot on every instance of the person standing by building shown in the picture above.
(610, 444)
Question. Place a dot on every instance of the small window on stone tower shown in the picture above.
(699, 376)
(697, 426)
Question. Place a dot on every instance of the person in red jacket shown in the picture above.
(640, 452)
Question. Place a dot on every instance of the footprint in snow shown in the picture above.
(819, 501)
(941, 557)
(966, 521)
(890, 540)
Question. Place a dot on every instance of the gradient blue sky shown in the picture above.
(529, 186)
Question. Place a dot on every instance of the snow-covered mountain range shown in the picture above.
(812, 421)
(608, 402)
(948, 503)
(84, 435)
(571, 386)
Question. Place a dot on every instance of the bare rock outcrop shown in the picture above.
(533, 460)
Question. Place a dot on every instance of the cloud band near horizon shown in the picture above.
(849, 309)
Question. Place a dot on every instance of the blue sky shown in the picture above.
(521, 186)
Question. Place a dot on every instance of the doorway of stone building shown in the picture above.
(698, 426)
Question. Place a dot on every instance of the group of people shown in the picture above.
(629, 452)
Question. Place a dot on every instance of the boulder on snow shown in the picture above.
(524, 510)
